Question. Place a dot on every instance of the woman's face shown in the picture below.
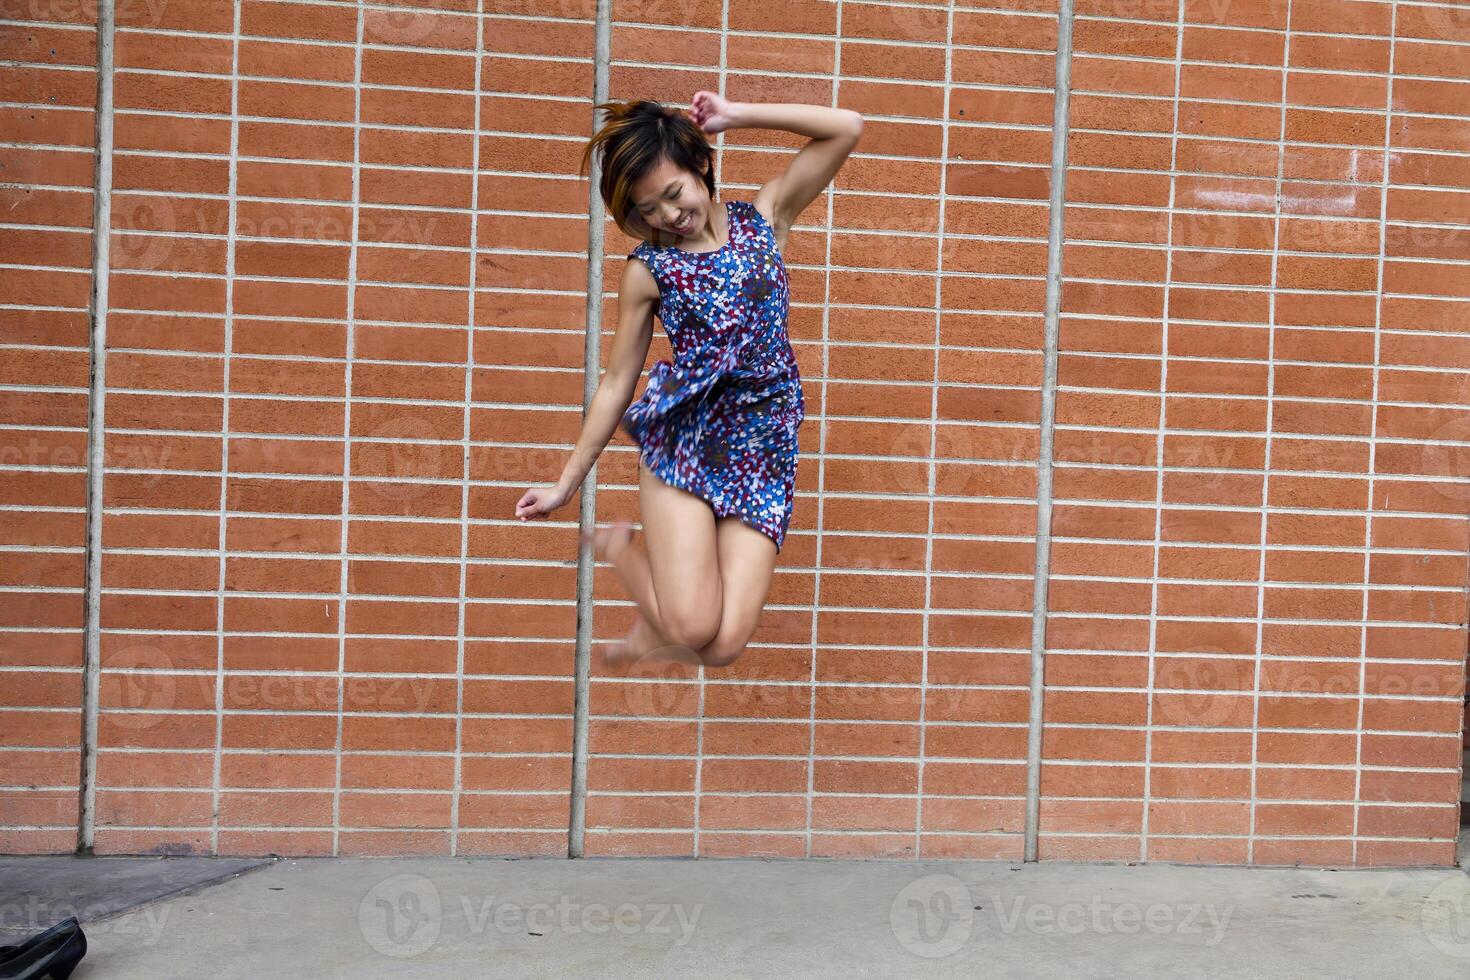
(669, 200)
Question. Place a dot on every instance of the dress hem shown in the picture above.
(701, 490)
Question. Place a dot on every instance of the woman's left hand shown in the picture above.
(711, 112)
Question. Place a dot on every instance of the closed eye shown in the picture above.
(672, 195)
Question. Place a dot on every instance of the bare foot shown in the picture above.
(641, 639)
(608, 542)
(644, 645)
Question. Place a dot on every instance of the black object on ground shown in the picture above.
(53, 953)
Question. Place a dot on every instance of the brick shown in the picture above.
(288, 374)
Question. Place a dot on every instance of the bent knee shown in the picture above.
(690, 630)
(722, 654)
(725, 648)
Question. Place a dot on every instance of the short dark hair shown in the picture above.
(634, 136)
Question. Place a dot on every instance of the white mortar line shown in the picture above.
(1373, 408)
(464, 496)
(1044, 461)
(347, 436)
(933, 466)
(1250, 845)
(811, 745)
(1153, 602)
(700, 676)
(222, 554)
(96, 427)
(587, 514)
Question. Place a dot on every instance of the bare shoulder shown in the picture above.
(637, 281)
(636, 272)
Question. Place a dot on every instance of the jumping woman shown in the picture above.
(717, 427)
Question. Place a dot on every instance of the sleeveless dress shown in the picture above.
(721, 420)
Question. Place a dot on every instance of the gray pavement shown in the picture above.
(478, 917)
(38, 892)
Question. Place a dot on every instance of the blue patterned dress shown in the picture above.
(721, 420)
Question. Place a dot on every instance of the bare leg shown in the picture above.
(747, 561)
(629, 557)
(644, 645)
(627, 554)
(673, 574)
(747, 564)
(676, 561)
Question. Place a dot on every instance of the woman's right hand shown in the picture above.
(540, 501)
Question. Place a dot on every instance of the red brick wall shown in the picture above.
(1288, 356)
(48, 89)
(1256, 587)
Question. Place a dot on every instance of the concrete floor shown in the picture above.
(456, 917)
(38, 892)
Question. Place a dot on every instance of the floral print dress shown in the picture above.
(721, 420)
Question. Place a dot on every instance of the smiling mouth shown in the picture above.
(685, 226)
